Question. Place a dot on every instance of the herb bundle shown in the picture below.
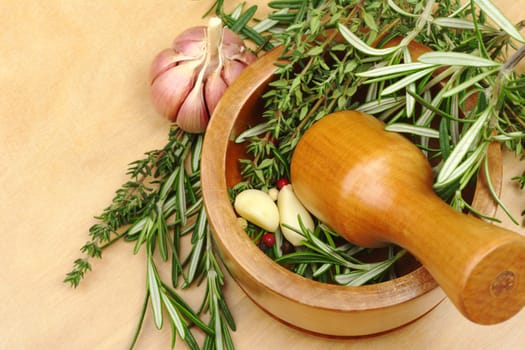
(156, 209)
(453, 100)
(336, 59)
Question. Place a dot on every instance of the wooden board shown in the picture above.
(75, 111)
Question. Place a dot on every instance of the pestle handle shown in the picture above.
(480, 266)
(374, 186)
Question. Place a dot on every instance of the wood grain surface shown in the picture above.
(75, 111)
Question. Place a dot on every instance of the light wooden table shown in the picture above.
(75, 111)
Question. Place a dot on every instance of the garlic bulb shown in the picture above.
(188, 79)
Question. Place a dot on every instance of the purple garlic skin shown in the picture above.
(188, 79)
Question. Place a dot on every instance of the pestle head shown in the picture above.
(352, 174)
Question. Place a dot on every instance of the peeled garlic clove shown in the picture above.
(258, 208)
(290, 210)
(273, 193)
(193, 116)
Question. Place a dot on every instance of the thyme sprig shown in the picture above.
(155, 209)
(135, 198)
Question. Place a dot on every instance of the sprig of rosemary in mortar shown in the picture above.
(322, 76)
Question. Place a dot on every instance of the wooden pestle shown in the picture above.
(373, 186)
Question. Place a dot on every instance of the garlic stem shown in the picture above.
(213, 44)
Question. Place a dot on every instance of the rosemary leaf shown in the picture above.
(395, 70)
(456, 59)
(462, 168)
(413, 129)
(243, 19)
(463, 146)
(360, 277)
(174, 316)
(467, 84)
(406, 81)
(362, 46)
(459, 23)
(499, 18)
(154, 291)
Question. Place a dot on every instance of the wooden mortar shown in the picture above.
(374, 186)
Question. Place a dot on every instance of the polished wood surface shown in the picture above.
(75, 111)
(374, 186)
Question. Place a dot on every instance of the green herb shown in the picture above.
(155, 209)
(520, 179)
(335, 59)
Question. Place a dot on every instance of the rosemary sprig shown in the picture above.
(323, 260)
(221, 319)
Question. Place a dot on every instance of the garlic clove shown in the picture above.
(233, 48)
(231, 39)
(164, 61)
(290, 210)
(273, 193)
(191, 42)
(213, 90)
(193, 116)
(258, 208)
(231, 70)
(245, 57)
(169, 90)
